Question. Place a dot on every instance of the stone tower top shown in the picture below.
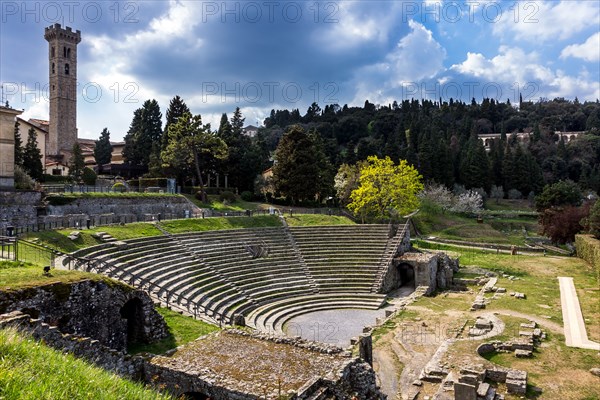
(57, 32)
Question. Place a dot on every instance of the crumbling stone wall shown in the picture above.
(88, 308)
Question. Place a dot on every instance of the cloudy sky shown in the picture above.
(263, 55)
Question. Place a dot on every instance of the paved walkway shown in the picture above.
(575, 333)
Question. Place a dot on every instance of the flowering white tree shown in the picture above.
(437, 196)
(468, 202)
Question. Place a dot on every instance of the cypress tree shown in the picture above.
(32, 157)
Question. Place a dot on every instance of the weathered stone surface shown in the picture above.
(529, 325)
(482, 323)
(595, 372)
(483, 389)
(523, 353)
(463, 391)
(89, 308)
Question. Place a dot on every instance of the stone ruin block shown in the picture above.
(482, 323)
(477, 332)
(463, 391)
(496, 375)
(526, 345)
(516, 382)
(483, 389)
(530, 325)
(523, 353)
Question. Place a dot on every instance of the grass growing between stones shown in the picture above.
(182, 330)
(317, 219)
(19, 275)
(30, 370)
(220, 223)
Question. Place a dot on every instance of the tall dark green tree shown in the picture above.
(237, 122)
(145, 130)
(475, 166)
(32, 157)
(103, 149)
(130, 151)
(18, 145)
(177, 108)
(77, 163)
(298, 170)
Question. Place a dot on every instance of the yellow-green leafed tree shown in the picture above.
(385, 189)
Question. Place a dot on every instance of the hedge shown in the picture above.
(588, 248)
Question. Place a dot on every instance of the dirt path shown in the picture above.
(553, 326)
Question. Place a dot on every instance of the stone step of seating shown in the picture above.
(143, 265)
(351, 288)
(287, 302)
(259, 280)
(277, 321)
(263, 316)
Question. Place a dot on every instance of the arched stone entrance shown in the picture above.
(133, 313)
(406, 276)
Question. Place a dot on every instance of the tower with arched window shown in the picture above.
(62, 54)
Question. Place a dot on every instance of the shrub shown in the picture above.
(119, 187)
(514, 194)
(588, 248)
(89, 176)
(247, 196)
(22, 180)
(227, 196)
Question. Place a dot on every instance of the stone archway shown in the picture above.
(132, 311)
(407, 276)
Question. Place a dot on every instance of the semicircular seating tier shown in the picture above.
(268, 275)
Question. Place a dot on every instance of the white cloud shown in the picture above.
(357, 23)
(543, 21)
(588, 51)
(417, 56)
(513, 68)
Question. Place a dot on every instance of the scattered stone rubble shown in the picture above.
(523, 347)
(482, 326)
(74, 235)
(471, 383)
(104, 237)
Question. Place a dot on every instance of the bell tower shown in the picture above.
(62, 56)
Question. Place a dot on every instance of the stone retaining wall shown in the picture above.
(88, 308)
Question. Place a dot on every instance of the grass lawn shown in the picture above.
(220, 223)
(19, 275)
(501, 230)
(182, 330)
(317, 219)
(238, 205)
(30, 370)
